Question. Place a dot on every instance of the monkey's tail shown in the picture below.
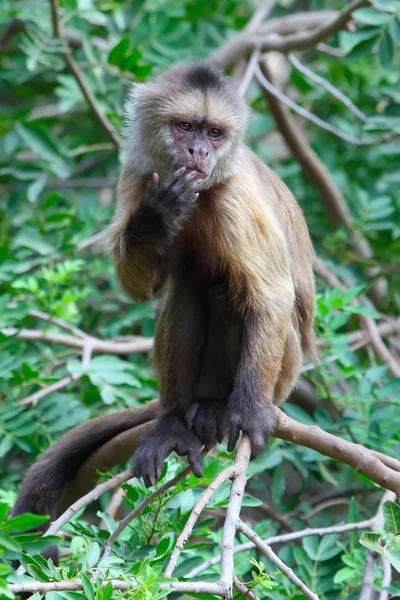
(47, 478)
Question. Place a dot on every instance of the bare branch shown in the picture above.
(233, 511)
(331, 196)
(221, 478)
(136, 345)
(323, 25)
(249, 73)
(80, 79)
(328, 87)
(367, 322)
(243, 589)
(50, 389)
(306, 114)
(274, 558)
(198, 587)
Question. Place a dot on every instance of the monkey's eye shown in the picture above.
(214, 133)
(184, 126)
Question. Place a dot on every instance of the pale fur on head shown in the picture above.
(194, 89)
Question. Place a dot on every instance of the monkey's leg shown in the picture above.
(180, 341)
(251, 404)
(208, 413)
(291, 365)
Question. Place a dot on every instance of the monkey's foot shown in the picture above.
(170, 434)
(258, 421)
(208, 418)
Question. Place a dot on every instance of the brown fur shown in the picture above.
(236, 265)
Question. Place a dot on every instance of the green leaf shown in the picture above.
(391, 513)
(87, 586)
(371, 541)
(362, 310)
(394, 30)
(22, 523)
(386, 51)
(118, 53)
(371, 16)
(93, 554)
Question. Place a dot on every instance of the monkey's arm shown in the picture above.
(147, 219)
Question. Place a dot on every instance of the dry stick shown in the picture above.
(33, 399)
(367, 322)
(113, 505)
(249, 73)
(328, 87)
(367, 589)
(93, 495)
(136, 345)
(198, 587)
(140, 508)
(38, 314)
(361, 459)
(80, 79)
(289, 537)
(221, 478)
(274, 558)
(309, 116)
(316, 171)
(386, 578)
(272, 37)
(233, 512)
(243, 589)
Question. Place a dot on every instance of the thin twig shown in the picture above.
(306, 114)
(237, 584)
(33, 399)
(386, 578)
(87, 499)
(233, 511)
(328, 87)
(249, 73)
(136, 345)
(274, 558)
(140, 508)
(220, 479)
(80, 79)
(198, 587)
(289, 537)
(309, 29)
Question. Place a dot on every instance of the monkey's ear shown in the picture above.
(139, 90)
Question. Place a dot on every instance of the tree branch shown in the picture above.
(323, 24)
(274, 558)
(297, 64)
(313, 167)
(80, 79)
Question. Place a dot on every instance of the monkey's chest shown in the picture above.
(201, 242)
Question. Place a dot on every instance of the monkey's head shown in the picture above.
(189, 117)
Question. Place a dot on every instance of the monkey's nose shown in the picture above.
(198, 152)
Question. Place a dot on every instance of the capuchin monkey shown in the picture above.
(199, 216)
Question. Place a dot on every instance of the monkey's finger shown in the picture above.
(194, 459)
(233, 437)
(191, 413)
(220, 430)
(173, 178)
(257, 444)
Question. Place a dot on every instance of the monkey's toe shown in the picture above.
(259, 423)
(208, 418)
(170, 434)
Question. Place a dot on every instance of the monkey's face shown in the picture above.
(197, 144)
(188, 117)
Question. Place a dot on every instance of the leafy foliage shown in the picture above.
(58, 171)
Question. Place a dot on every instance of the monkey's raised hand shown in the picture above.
(163, 209)
(169, 434)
